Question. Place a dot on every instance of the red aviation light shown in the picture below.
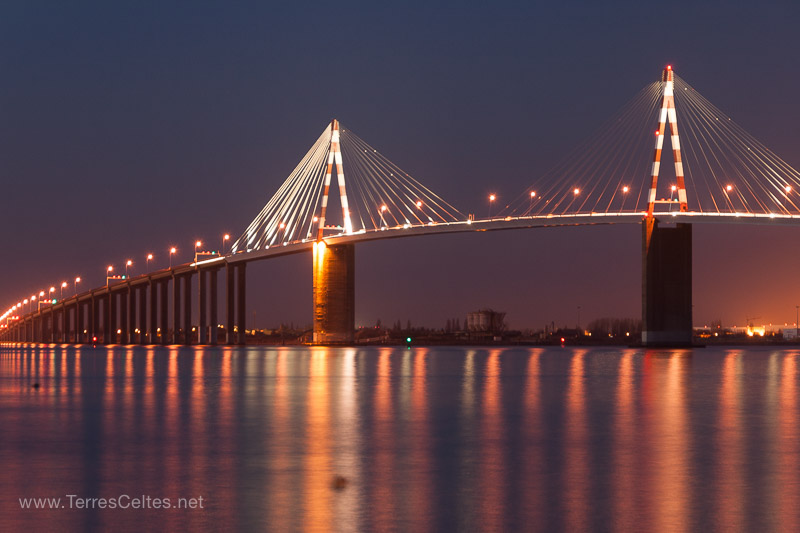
(669, 67)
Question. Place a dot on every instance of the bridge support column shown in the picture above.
(164, 315)
(212, 289)
(79, 323)
(65, 324)
(230, 319)
(241, 302)
(123, 316)
(94, 319)
(176, 310)
(143, 314)
(334, 293)
(132, 338)
(154, 338)
(187, 309)
(202, 306)
(666, 284)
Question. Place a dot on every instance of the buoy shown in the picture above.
(339, 482)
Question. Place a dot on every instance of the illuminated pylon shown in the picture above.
(667, 113)
(335, 154)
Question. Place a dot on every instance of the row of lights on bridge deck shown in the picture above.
(39, 299)
(8, 315)
(382, 210)
(625, 189)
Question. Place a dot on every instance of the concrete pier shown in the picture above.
(334, 278)
(666, 284)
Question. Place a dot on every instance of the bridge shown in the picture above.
(720, 174)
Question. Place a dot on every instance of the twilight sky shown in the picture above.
(129, 127)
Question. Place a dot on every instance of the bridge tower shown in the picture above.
(333, 277)
(666, 251)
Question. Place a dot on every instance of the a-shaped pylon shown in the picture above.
(667, 113)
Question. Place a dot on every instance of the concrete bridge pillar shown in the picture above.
(334, 277)
(666, 284)
(202, 306)
(187, 309)
(177, 302)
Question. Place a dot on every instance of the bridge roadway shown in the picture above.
(66, 321)
(508, 223)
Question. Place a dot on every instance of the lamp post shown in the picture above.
(383, 210)
(109, 270)
(77, 280)
(492, 198)
(50, 293)
(128, 264)
(63, 284)
(225, 238)
(197, 245)
(171, 253)
(147, 262)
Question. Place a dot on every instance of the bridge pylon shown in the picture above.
(667, 113)
(335, 157)
(666, 251)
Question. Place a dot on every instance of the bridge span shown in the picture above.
(721, 175)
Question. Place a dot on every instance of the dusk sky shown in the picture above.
(126, 128)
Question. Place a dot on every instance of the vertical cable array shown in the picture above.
(379, 195)
(718, 166)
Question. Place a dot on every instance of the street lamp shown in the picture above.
(147, 262)
(109, 270)
(50, 294)
(225, 238)
(197, 245)
(171, 253)
(491, 201)
(77, 280)
(63, 284)
(127, 264)
(383, 210)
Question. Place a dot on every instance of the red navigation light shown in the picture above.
(658, 132)
(669, 67)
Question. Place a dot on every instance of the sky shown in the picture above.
(129, 127)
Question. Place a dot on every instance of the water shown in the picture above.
(431, 439)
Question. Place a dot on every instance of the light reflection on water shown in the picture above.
(428, 439)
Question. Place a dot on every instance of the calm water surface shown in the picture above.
(428, 439)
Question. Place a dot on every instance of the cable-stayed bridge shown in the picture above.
(343, 191)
